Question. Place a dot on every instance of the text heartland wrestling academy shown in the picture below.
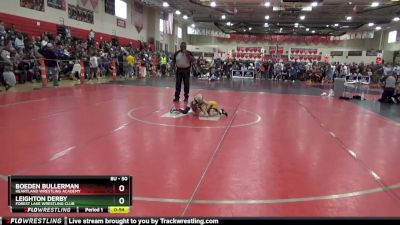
(47, 188)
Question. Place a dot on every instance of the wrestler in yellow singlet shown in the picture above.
(206, 108)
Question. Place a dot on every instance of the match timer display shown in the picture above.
(70, 194)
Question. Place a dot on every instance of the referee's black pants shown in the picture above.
(182, 75)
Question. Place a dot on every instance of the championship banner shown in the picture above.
(91, 7)
(37, 5)
(80, 14)
(110, 7)
(57, 4)
(169, 24)
(137, 15)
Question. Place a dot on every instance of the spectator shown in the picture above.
(51, 62)
(163, 64)
(3, 33)
(19, 42)
(131, 62)
(126, 67)
(76, 70)
(94, 66)
(396, 96)
(387, 69)
(8, 78)
(12, 32)
(91, 37)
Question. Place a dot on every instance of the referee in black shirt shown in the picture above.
(182, 61)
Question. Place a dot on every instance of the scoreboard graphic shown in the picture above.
(70, 194)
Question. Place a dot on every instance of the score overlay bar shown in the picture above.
(64, 194)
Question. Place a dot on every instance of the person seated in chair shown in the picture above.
(396, 96)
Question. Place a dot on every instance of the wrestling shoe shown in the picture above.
(185, 110)
(223, 112)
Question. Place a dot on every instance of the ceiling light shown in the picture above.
(313, 31)
(266, 17)
(223, 17)
(185, 17)
(307, 8)
(213, 4)
(396, 19)
(302, 17)
(336, 25)
(250, 28)
(266, 25)
(193, 25)
(296, 24)
(375, 4)
(280, 29)
(327, 25)
(314, 4)
(165, 4)
(371, 24)
(307, 29)
(350, 3)
(267, 4)
(378, 28)
(177, 12)
(348, 18)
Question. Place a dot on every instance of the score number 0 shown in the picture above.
(121, 188)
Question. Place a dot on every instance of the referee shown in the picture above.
(182, 61)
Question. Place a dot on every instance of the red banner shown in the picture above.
(272, 50)
(280, 51)
(94, 3)
(248, 49)
(379, 59)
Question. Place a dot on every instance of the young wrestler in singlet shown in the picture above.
(201, 107)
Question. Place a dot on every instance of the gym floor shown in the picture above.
(283, 150)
